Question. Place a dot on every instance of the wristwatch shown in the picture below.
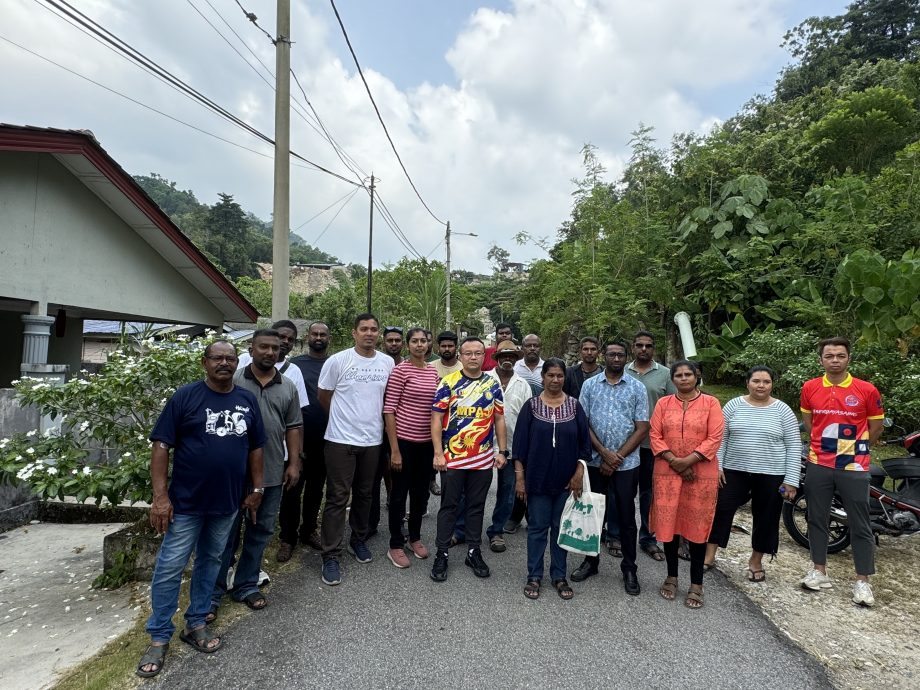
(259, 490)
(503, 452)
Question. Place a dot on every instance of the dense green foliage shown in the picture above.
(232, 238)
(800, 211)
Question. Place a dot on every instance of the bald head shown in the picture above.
(531, 345)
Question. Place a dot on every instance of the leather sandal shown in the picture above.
(532, 589)
(155, 655)
(668, 589)
(694, 598)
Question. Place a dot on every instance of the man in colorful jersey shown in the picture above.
(467, 419)
(844, 418)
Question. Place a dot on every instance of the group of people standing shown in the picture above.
(282, 433)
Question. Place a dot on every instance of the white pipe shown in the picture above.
(682, 319)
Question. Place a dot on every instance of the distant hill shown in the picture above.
(231, 237)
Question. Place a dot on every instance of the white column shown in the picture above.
(35, 335)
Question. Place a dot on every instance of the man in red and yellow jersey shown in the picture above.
(843, 416)
(467, 420)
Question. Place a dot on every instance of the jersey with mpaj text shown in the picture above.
(840, 421)
(469, 407)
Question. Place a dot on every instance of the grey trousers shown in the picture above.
(820, 484)
(350, 470)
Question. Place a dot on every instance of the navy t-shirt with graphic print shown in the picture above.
(212, 434)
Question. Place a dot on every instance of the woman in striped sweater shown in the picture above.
(759, 460)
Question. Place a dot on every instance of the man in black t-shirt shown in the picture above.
(215, 432)
(313, 477)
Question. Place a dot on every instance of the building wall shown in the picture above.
(60, 244)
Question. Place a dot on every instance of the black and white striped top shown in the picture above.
(761, 440)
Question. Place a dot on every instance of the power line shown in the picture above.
(331, 220)
(317, 215)
(149, 65)
(379, 116)
(253, 18)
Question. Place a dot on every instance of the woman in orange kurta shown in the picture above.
(686, 431)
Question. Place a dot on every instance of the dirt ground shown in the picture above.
(861, 648)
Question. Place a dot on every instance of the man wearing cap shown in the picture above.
(516, 391)
(447, 348)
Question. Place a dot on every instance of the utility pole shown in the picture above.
(281, 217)
(370, 247)
(448, 315)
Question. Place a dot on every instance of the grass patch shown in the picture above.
(723, 392)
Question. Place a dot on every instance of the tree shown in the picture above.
(498, 257)
(226, 235)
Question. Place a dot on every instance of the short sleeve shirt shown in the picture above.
(613, 410)
(469, 407)
(358, 384)
(212, 435)
(840, 417)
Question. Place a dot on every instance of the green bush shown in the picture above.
(101, 450)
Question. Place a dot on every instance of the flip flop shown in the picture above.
(757, 575)
(653, 551)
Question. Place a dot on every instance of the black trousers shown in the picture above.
(381, 477)
(455, 484)
(412, 482)
(312, 484)
(762, 490)
(599, 485)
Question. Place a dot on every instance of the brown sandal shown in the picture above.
(532, 589)
(694, 598)
(669, 589)
(563, 589)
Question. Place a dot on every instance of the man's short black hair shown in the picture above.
(447, 335)
(266, 333)
(285, 323)
(589, 339)
(616, 341)
(643, 334)
(366, 316)
(470, 339)
(502, 325)
(837, 341)
(207, 350)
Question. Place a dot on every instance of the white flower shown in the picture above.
(126, 455)
(4, 442)
(30, 451)
(32, 433)
(73, 471)
(51, 470)
(18, 458)
(87, 470)
(84, 426)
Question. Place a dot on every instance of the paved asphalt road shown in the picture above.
(389, 628)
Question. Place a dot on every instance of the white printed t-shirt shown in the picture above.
(358, 384)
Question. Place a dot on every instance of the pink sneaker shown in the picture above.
(419, 550)
(398, 558)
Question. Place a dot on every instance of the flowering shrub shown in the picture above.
(101, 450)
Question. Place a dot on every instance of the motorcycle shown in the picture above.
(893, 512)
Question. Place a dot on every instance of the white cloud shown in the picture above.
(494, 153)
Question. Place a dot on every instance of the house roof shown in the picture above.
(84, 157)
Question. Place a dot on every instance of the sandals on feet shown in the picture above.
(212, 614)
(615, 548)
(256, 601)
(563, 589)
(757, 575)
(694, 598)
(668, 589)
(532, 589)
(653, 551)
(200, 639)
(683, 551)
(154, 656)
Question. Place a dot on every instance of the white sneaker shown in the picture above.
(230, 574)
(264, 579)
(816, 580)
(862, 593)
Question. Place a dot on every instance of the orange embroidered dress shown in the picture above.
(682, 507)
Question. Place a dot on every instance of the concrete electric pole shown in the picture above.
(370, 248)
(281, 247)
(447, 313)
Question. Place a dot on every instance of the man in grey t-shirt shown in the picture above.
(279, 404)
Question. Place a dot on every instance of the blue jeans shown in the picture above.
(504, 500)
(646, 465)
(255, 539)
(542, 521)
(206, 535)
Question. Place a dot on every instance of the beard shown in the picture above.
(318, 346)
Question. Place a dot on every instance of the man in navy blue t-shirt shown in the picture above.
(216, 434)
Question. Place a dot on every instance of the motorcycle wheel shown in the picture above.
(795, 519)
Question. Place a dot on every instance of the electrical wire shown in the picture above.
(379, 116)
(317, 215)
(331, 220)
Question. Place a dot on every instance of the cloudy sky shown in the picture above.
(489, 103)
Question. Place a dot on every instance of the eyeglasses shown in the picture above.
(229, 359)
(616, 355)
(475, 353)
(644, 346)
(392, 329)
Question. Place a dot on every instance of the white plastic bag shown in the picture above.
(582, 520)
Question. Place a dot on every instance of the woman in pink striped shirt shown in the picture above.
(407, 416)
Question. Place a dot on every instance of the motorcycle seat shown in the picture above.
(902, 468)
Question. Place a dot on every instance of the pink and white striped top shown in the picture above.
(409, 394)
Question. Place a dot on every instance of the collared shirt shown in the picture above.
(289, 371)
(280, 410)
(613, 410)
(658, 383)
(533, 376)
(840, 415)
(516, 393)
(469, 407)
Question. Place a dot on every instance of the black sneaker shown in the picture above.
(474, 561)
(439, 569)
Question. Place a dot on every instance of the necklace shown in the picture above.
(689, 400)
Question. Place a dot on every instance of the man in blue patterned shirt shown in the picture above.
(617, 408)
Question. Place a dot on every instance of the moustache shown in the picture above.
(220, 369)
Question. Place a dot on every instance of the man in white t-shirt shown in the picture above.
(287, 332)
(351, 386)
